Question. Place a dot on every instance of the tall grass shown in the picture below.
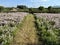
(48, 34)
(26, 35)
(6, 34)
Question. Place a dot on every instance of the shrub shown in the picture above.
(47, 34)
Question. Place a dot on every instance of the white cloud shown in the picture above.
(43, 0)
(39, 0)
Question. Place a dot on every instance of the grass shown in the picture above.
(26, 35)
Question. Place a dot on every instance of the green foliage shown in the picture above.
(48, 35)
(30, 10)
(49, 9)
(6, 34)
(21, 7)
(41, 8)
(52, 22)
(1, 8)
(23, 10)
(8, 9)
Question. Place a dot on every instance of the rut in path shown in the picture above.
(27, 33)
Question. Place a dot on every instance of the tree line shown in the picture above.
(23, 8)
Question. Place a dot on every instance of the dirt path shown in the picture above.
(27, 34)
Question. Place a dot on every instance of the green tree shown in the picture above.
(31, 10)
(1, 8)
(50, 9)
(22, 7)
(41, 8)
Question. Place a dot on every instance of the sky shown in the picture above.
(29, 3)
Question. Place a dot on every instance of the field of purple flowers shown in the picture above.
(48, 28)
(46, 25)
(8, 25)
(50, 17)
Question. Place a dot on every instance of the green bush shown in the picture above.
(6, 34)
(48, 35)
(1, 8)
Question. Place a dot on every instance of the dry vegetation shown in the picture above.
(27, 34)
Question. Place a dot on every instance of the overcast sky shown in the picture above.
(29, 3)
